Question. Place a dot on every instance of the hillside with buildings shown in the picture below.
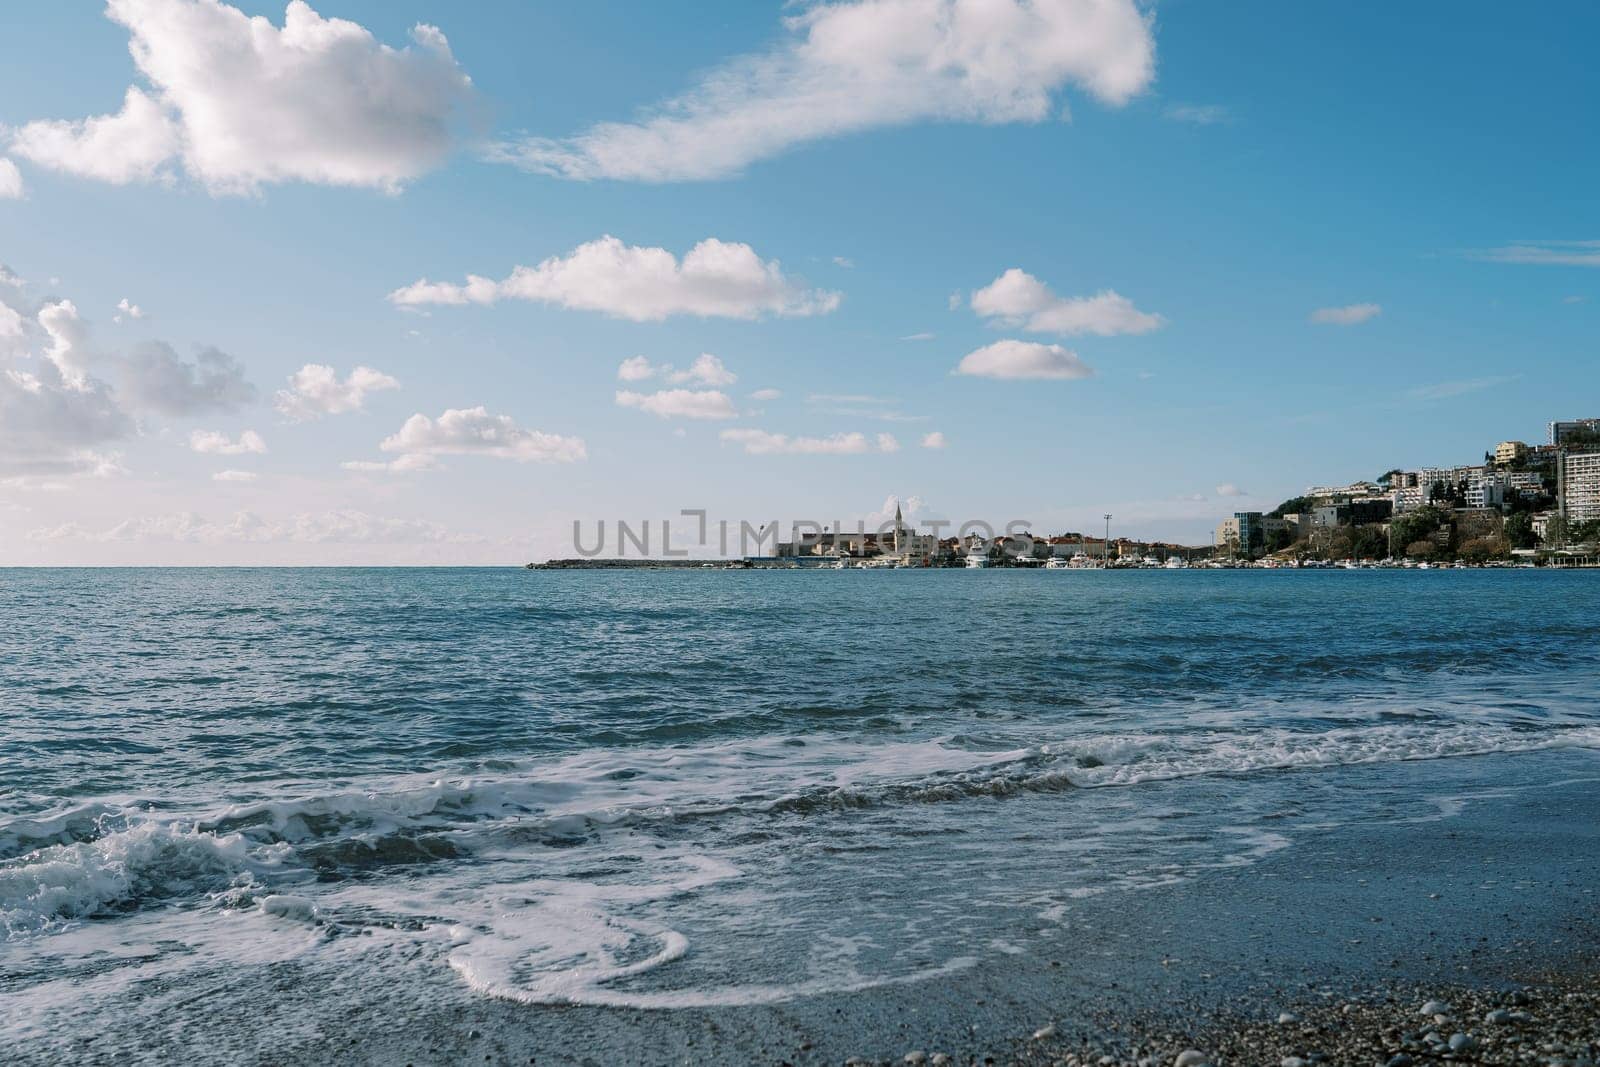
(1536, 502)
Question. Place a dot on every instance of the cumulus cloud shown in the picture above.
(50, 428)
(330, 527)
(473, 431)
(210, 442)
(1018, 299)
(681, 403)
(1348, 315)
(715, 279)
(233, 476)
(155, 378)
(762, 443)
(933, 440)
(127, 309)
(241, 102)
(706, 370)
(888, 443)
(1023, 359)
(847, 67)
(69, 342)
(315, 390)
(11, 187)
(130, 145)
(635, 369)
(1229, 489)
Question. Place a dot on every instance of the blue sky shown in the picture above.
(1270, 162)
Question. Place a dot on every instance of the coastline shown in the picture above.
(1452, 902)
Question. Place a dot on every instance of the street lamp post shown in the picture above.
(1105, 553)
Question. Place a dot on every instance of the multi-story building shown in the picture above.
(1247, 532)
(1509, 452)
(1335, 492)
(1562, 432)
(1579, 486)
(1353, 513)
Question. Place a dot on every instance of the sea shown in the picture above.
(670, 789)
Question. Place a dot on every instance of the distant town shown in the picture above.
(1523, 505)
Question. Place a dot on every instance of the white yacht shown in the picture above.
(978, 554)
(1057, 563)
(1175, 564)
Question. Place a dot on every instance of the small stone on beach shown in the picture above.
(1190, 1058)
(1287, 1017)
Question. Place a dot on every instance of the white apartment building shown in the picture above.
(1580, 486)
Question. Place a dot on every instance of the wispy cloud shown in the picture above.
(1348, 315)
(1446, 390)
(918, 337)
(845, 68)
(1199, 114)
(1544, 253)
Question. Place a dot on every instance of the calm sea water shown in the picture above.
(678, 788)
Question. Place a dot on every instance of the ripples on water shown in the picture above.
(705, 787)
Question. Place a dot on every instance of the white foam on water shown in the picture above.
(575, 937)
(150, 861)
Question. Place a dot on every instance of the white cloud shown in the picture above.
(126, 309)
(330, 527)
(766, 394)
(918, 337)
(1018, 299)
(473, 431)
(1546, 253)
(707, 370)
(50, 428)
(1229, 489)
(762, 443)
(11, 187)
(848, 67)
(842, 261)
(243, 102)
(888, 443)
(635, 369)
(933, 440)
(69, 342)
(1023, 359)
(1198, 114)
(155, 378)
(219, 444)
(131, 145)
(681, 403)
(315, 390)
(233, 476)
(716, 279)
(1348, 315)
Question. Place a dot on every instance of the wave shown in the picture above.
(149, 863)
(99, 859)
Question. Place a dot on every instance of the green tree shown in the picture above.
(1418, 525)
(1519, 530)
(1295, 505)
